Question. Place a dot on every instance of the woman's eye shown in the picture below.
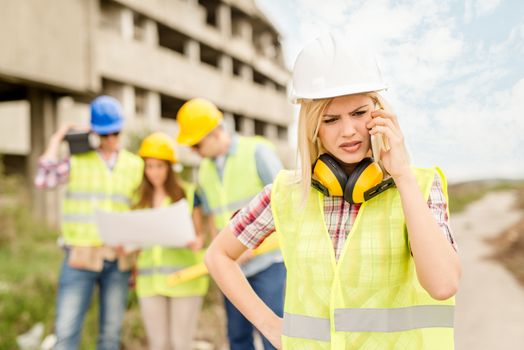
(330, 120)
(359, 113)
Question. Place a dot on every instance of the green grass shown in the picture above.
(462, 194)
(30, 261)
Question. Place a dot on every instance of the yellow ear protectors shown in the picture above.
(364, 182)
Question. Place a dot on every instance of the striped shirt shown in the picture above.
(252, 224)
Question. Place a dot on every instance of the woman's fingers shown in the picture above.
(383, 122)
(380, 113)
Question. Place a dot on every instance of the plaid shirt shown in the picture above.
(52, 173)
(252, 224)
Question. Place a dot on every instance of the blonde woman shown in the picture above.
(367, 245)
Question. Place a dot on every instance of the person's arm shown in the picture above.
(51, 152)
(221, 262)
(437, 263)
(51, 172)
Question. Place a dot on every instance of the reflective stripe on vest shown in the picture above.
(369, 320)
(98, 196)
(306, 327)
(78, 218)
(395, 319)
(164, 270)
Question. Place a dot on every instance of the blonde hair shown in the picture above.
(309, 145)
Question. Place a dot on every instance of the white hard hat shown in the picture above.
(333, 65)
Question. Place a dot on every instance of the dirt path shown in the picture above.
(490, 303)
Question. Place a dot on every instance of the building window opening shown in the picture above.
(260, 127)
(140, 102)
(259, 78)
(169, 106)
(139, 22)
(171, 39)
(282, 132)
(209, 55)
(238, 122)
(211, 9)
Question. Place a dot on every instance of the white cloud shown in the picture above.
(478, 8)
(484, 7)
(513, 45)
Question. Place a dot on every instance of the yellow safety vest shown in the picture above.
(93, 186)
(369, 299)
(156, 264)
(240, 181)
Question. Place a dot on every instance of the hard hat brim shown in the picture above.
(190, 140)
(148, 155)
(339, 91)
(107, 129)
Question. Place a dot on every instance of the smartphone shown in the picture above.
(378, 143)
(78, 141)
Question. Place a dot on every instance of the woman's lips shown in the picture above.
(350, 147)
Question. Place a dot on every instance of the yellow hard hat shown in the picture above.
(197, 118)
(158, 145)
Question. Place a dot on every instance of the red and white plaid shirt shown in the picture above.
(51, 174)
(252, 224)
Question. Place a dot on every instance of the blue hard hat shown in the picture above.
(106, 115)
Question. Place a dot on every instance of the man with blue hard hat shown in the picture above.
(104, 178)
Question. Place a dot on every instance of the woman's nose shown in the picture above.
(348, 127)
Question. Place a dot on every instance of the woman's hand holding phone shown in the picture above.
(387, 142)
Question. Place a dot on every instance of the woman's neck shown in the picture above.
(159, 195)
(348, 168)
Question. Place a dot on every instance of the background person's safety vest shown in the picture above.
(93, 186)
(371, 297)
(240, 182)
(156, 264)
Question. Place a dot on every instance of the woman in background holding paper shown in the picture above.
(170, 313)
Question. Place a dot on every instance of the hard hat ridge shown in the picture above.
(334, 65)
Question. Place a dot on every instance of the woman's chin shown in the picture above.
(349, 159)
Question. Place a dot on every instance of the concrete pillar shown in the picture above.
(266, 44)
(150, 33)
(229, 122)
(192, 50)
(271, 132)
(246, 72)
(127, 27)
(226, 64)
(152, 108)
(43, 123)
(246, 29)
(223, 15)
(248, 126)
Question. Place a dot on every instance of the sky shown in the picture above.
(455, 71)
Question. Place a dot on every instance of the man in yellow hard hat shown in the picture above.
(234, 169)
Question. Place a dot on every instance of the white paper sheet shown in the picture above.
(170, 226)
